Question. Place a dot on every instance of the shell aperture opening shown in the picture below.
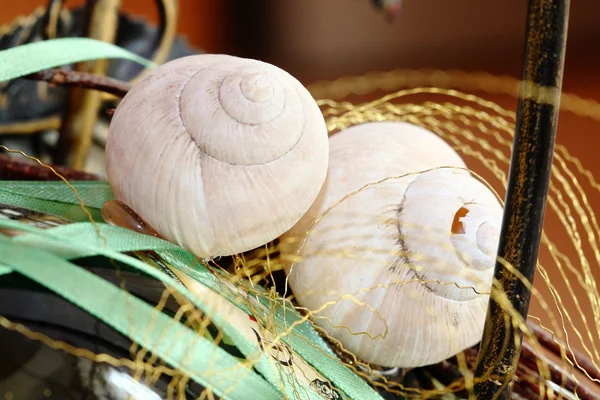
(457, 226)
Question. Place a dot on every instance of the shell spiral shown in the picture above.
(219, 154)
(397, 269)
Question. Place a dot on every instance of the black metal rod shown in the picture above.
(527, 190)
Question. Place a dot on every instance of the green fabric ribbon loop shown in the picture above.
(96, 236)
(74, 245)
(29, 58)
(197, 356)
(303, 339)
(56, 198)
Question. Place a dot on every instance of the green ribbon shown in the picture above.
(172, 341)
(89, 239)
(29, 58)
(70, 240)
(58, 199)
(303, 338)
(78, 246)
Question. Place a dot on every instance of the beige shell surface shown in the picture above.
(219, 154)
(395, 270)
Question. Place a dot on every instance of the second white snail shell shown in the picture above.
(396, 269)
(219, 154)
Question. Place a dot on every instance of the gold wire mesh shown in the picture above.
(482, 131)
(566, 301)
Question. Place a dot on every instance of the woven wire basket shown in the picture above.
(561, 349)
(562, 319)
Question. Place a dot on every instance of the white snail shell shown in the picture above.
(219, 154)
(413, 236)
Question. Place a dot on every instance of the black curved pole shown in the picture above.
(528, 181)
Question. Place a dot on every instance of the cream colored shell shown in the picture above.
(219, 154)
(385, 261)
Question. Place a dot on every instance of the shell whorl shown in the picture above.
(255, 101)
(219, 154)
(445, 215)
(398, 226)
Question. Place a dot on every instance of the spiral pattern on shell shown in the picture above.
(397, 253)
(259, 102)
(219, 154)
(458, 233)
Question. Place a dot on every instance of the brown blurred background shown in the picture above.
(314, 39)
(327, 39)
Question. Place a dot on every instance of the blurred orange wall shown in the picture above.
(199, 20)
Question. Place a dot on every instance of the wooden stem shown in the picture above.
(527, 191)
(80, 79)
(13, 169)
(82, 111)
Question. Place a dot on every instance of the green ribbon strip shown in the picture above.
(303, 339)
(58, 199)
(5, 270)
(77, 246)
(175, 343)
(92, 238)
(29, 58)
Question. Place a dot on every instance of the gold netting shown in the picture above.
(565, 297)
